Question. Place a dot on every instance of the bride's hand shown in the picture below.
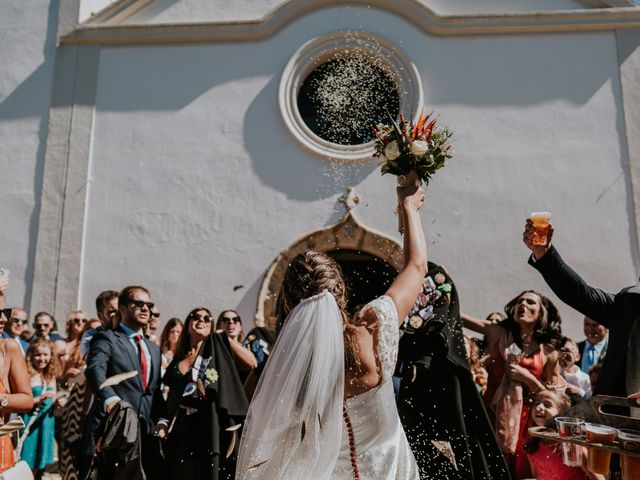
(411, 196)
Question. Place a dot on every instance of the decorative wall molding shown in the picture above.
(109, 28)
(347, 234)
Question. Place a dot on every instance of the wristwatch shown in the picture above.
(4, 401)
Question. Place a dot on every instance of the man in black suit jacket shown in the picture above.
(121, 350)
(620, 374)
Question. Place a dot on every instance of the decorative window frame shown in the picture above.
(318, 51)
(347, 234)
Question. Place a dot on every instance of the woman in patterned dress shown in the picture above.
(73, 414)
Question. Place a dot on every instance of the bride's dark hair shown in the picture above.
(310, 273)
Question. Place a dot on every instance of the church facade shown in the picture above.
(185, 146)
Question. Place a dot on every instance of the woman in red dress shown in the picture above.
(522, 361)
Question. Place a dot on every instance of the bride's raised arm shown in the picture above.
(405, 288)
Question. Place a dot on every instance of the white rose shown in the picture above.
(392, 151)
(419, 147)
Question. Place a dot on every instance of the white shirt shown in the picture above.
(579, 379)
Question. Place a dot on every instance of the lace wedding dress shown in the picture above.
(300, 427)
(381, 446)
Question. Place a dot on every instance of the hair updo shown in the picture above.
(310, 273)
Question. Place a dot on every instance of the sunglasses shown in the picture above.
(229, 320)
(79, 321)
(41, 325)
(205, 318)
(140, 304)
(156, 315)
(18, 320)
(6, 312)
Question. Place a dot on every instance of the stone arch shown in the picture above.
(348, 233)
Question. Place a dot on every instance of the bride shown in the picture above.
(324, 408)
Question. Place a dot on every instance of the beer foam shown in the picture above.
(599, 429)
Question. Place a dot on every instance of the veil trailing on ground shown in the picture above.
(294, 425)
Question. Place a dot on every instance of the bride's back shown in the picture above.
(310, 273)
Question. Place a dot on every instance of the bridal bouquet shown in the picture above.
(404, 147)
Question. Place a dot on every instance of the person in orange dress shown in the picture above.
(15, 383)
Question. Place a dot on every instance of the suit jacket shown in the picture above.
(112, 353)
(618, 312)
(583, 344)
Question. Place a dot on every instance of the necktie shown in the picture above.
(143, 361)
(590, 357)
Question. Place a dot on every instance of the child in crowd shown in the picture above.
(546, 458)
(37, 439)
(480, 375)
(578, 382)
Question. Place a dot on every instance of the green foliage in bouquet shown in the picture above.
(404, 146)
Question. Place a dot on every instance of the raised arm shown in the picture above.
(566, 283)
(244, 358)
(478, 325)
(405, 288)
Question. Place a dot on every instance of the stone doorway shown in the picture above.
(370, 262)
(367, 276)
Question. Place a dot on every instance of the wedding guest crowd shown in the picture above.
(182, 394)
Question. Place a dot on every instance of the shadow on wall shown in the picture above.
(246, 306)
(283, 164)
(32, 98)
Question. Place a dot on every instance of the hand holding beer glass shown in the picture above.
(540, 222)
(537, 233)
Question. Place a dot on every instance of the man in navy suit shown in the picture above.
(119, 350)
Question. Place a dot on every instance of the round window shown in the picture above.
(336, 88)
(343, 99)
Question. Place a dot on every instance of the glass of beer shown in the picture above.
(570, 427)
(598, 459)
(630, 440)
(541, 227)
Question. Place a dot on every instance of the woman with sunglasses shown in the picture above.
(230, 323)
(15, 383)
(201, 378)
(76, 321)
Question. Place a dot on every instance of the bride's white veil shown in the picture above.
(293, 428)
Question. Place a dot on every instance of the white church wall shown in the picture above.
(28, 39)
(169, 11)
(195, 186)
